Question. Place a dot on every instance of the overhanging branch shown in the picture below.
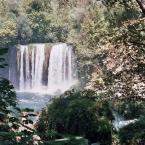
(141, 4)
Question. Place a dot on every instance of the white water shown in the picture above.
(61, 71)
(31, 77)
(38, 58)
(21, 81)
(120, 122)
(27, 70)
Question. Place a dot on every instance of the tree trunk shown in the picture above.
(141, 3)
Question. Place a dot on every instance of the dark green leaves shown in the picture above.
(2, 52)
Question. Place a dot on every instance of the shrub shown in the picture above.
(75, 113)
(131, 109)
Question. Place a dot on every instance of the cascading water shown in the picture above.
(120, 122)
(47, 70)
(61, 71)
(38, 58)
(21, 65)
(31, 67)
(27, 69)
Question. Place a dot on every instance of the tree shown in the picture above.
(24, 30)
(8, 32)
(141, 4)
(76, 113)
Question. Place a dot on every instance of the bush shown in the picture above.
(75, 113)
(10, 117)
(131, 109)
(24, 30)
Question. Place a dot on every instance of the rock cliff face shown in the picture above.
(4, 72)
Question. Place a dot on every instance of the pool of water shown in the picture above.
(33, 100)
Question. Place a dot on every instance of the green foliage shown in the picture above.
(131, 109)
(35, 6)
(24, 30)
(31, 6)
(29, 21)
(40, 25)
(75, 113)
(10, 115)
(133, 134)
(7, 96)
(8, 32)
(10, 120)
(93, 28)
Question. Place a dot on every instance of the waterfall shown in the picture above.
(38, 58)
(27, 70)
(120, 122)
(22, 82)
(61, 71)
(45, 69)
(31, 69)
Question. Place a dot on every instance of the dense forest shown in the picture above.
(109, 40)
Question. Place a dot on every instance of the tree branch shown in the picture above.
(27, 127)
(141, 4)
